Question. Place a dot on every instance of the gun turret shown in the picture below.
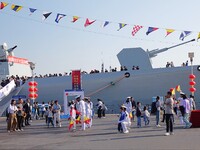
(154, 53)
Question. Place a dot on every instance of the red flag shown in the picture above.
(88, 22)
(3, 4)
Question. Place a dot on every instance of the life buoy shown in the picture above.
(127, 74)
(198, 68)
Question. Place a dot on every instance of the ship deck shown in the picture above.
(103, 135)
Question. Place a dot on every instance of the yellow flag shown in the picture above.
(169, 31)
(173, 91)
(178, 88)
(130, 115)
(16, 8)
(198, 36)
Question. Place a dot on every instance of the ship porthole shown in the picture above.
(127, 74)
(198, 68)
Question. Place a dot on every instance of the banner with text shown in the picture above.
(76, 80)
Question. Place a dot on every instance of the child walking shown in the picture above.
(72, 122)
(50, 116)
(146, 116)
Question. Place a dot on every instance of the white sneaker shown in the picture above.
(166, 134)
(126, 132)
(22, 129)
(158, 125)
(190, 125)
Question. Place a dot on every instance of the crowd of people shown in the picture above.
(81, 111)
(171, 64)
(21, 113)
(18, 81)
(171, 107)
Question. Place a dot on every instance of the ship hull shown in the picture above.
(113, 89)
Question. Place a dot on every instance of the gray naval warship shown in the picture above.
(143, 84)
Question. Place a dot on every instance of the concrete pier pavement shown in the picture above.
(102, 135)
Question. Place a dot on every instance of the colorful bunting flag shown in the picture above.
(16, 8)
(32, 10)
(198, 36)
(136, 28)
(46, 15)
(88, 22)
(75, 18)
(169, 31)
(178, 88)
(105, 23)
(59, 16)
(151, 29)
(3, 4)
(121, 25)
(184, 34)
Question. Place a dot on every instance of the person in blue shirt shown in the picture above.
(123, 120)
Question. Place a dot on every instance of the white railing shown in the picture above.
(7, 89)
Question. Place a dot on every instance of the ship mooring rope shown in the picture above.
(102, 88)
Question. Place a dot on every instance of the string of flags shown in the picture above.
(88, 22)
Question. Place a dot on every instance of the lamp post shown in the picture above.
(192, 76)
(32, 66)
(191, 56)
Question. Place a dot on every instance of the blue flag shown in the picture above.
(32, 10)
(184, 34)
(106, 23)
(59, 16)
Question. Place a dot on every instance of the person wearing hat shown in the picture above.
(88, 111)
(80, 104)
(180, 99)
(56, 110)
(128, 105)
(123, 120)
(73, 116)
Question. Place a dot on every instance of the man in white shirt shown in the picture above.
(81, 108)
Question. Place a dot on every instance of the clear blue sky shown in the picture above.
(59, 48)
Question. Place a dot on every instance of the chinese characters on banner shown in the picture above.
(76, 80)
